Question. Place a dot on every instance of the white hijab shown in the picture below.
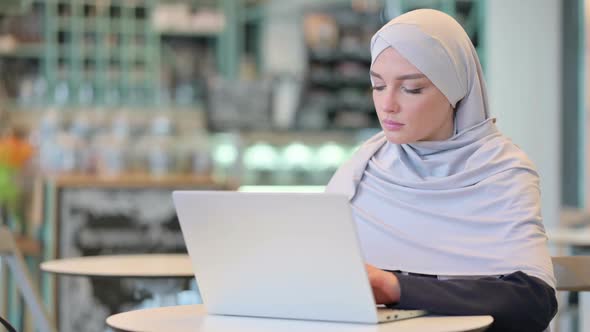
(466, 206)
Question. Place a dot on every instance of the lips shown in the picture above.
(392, 125)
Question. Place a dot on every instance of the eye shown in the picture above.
(378, 88)
(412, 91)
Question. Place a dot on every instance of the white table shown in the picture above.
(193, 318)
(151, 273)
(123, 266)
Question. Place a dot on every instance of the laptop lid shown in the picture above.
(284, 255)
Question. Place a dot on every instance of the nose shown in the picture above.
(390, 103)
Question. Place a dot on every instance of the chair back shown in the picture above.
(572, 273)
(10, 253)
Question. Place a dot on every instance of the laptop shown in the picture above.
(279, 255)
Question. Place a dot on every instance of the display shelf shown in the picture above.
(340, 81)
(339, 59)
(191, 34)
(96, 43)
(337, 55)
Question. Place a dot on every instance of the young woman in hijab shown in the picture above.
(447, 208)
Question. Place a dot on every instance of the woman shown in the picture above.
(447, 208)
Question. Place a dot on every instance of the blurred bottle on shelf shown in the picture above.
(286, 96)
(160, 156)
(49, 154)
(86, 94)
(194, 153)
(61, 91)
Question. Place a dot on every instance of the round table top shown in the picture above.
(123, 266)
(193, 318)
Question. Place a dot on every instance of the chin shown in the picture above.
(396, 138)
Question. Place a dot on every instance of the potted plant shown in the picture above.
(15, 153)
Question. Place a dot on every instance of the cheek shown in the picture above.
(377, 101)
(424, 113)
(439, 113)
(416, 110)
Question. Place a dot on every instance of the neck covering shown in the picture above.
(465, 206)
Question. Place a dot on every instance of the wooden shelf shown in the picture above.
(137, 180)
(23, 51)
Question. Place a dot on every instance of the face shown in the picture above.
(409, 106)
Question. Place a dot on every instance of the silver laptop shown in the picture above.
(280, 255)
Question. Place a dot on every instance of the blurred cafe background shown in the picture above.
(106, 106)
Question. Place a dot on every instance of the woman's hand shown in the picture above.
(384, 284)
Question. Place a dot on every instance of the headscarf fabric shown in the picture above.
(465, 206)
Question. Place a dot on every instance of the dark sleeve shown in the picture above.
(518, 302)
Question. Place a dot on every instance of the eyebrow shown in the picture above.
(402, 77)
